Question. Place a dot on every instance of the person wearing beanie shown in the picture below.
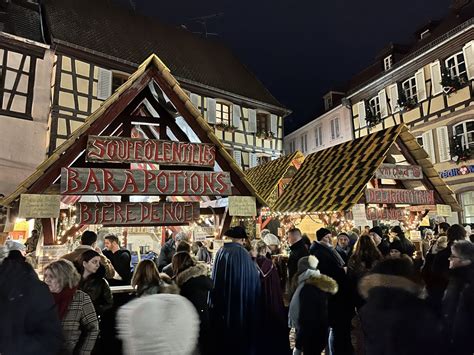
(380, 242)
(340, 311)
(164, 324)
(297, 251)
(407, 247)
(234, 298)
(395, 310)
(343, 247)
(308, 312)
(396, 249)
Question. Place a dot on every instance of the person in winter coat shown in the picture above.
(194, 282)
(121, 260)
(148, 281)
(340, 310)
(458, 302)
(169, 249)
(381, 243)
(308, 312)
(93, 282)
(395, 319)
(407, 246)
(297, 251)
(29, 322)
(343, 246)
(439, 272)
(203, 254)
(274, 316)
(75, 308)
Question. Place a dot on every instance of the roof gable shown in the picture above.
(153, 90)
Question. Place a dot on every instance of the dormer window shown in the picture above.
(387, 62)
(424, 34)
(328, 102)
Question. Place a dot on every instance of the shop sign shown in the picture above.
(39, 206)
(443, 210)
(421, 208)
(201, 233)
(462, 170)
(412, 197)
(132, 150)
(359, 215)
(387, 214)
(97, 181)
(242, 206)
(135, 213)
(399, 172)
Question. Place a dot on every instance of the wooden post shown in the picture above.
(48, 230)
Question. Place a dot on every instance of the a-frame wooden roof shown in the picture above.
(335, 179)
(152, 88)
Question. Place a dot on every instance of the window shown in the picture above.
(465, 131)
(387, 62)
(263, 124)
(262, 159)
(222, 113)
(467, 201)
(117, 80)
(292, 146)
(456, 66)
(335, 133)
(419, 140)
(374, 105)
(409, 88)
(304, 143)
(327, 102)
(318, 133)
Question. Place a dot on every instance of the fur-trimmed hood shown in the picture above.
(324, 283)
(200, 269)
(388, 281)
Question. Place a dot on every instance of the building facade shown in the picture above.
(80, 57)
(429, 87)
(331, 128)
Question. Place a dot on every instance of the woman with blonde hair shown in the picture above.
(147, 280)
(75, 308)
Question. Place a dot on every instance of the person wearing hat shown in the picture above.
(395, 318)
(381, 243)
(396, 249)
(308, 312)
(407, 246)
(343, 247)
(234, 300)
(340, 311)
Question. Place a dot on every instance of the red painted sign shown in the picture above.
(133, 150)
(96, 181)
(129, 213)
(412, 197)
(388, 214)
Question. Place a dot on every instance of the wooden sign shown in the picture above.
(96, 181)
(242, 206)
(359, 215)
(39, 206)
(412, 197)
(399, 172)
(132, 150)
(421, 208)
(443, 210)
(129, 213)
(387, 214)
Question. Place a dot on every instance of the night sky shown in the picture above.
(302, 49)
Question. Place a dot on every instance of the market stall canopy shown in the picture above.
(149, 101)
(265, 178)
(335, 179)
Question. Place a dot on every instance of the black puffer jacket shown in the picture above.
(29, 321)
(121, 261)
(98, 290)
(395, 320)
(195, 285)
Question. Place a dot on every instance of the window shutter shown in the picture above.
(195, 100)
(443, 143)
(236, 116)
(468, 51)
(274, 124)
(237, 154)
(333, 129)
(383, 103)
(211, 110)
(253, 160)
(393, 97)
(436, 87)
(337, 127)
(427, 138)
(252, 128)
(420, 85)
(104, 85)
(362, 122)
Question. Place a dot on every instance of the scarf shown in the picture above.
(63, 299)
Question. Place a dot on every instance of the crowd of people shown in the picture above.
(357, 293)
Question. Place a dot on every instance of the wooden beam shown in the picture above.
(48, 230)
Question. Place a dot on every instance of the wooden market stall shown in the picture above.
(146, 157)
(386, 172)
